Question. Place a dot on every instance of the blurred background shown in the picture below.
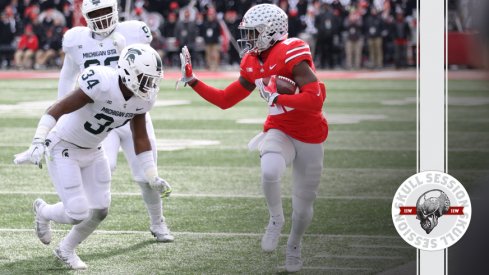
(342, 34)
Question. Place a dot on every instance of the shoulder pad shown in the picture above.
(74, 36)
(135, 32)
(96, 79)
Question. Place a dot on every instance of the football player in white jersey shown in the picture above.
(106, 99)
(100, 43)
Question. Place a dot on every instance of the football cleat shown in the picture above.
(162, 233)
(271, 237)
(42, 226)
(69, 258)
(293, 261)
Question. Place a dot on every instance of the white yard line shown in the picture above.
(332, 268)
(130, 194)
(356, 257)
(208, 234)
(380, 246)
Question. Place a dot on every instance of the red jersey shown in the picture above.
(308, 126)
(28, 42)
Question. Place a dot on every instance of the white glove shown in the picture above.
(186, 67)
(161, 186)
(34, 154)
(268, 92)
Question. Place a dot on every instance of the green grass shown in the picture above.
(218, 212)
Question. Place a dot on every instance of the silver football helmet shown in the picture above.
(140, 69)
(103, 23)
(262, 26)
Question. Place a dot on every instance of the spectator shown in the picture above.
(186, 31)
(50, 47)
(374, 26)
(232, 23)
(68, 14)
(8, 28)
(158, 43)
(171, 47)
(402, 34)
(388, 47)
(328, 26)
(27, 47)
(309, 31)
(354, 40)
(211, 31)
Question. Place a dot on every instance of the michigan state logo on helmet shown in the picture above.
(431, 210)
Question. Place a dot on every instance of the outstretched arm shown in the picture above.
(224, 99)
(232, 94)
(68, 104)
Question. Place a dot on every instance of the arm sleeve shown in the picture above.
(67, 76)
(223, 99)
(310, 98)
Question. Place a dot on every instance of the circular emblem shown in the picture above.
(431, 210)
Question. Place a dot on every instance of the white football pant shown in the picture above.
(277, 151)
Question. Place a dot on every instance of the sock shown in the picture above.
(56, 212)
(272, 168)
(82, 230)
(153, 203)
(301, 219)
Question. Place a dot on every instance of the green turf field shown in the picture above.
(217, 211)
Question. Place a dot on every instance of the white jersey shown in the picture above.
(89, 125)
(83, 48)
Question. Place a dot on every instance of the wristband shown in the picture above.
(46, 123)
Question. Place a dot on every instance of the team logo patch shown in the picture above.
(131, 55)
(431, 210)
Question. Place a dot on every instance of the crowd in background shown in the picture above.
(342, 34)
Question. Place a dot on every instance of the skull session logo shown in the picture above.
(431, 210)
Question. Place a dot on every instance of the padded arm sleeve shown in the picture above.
(67, 76)
(310, 98)
(223, 99)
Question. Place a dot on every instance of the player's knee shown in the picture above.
(270, 174)
(100, 214)
(272, 166)
(77, 209)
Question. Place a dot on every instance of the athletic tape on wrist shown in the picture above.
(147, 163)
(46, 123)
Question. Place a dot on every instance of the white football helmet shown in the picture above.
(140, 70)
(104, 23)
(262, 26)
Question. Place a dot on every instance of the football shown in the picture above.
(284, 85)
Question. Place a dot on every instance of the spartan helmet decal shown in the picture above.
(430, 206)
(131, 55)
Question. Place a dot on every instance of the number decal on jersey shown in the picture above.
(96, 62)
(91, 82)
(146, 31)
(108, 120)
(103, 117)
(87, 75)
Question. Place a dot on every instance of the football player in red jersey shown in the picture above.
(295, 128)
